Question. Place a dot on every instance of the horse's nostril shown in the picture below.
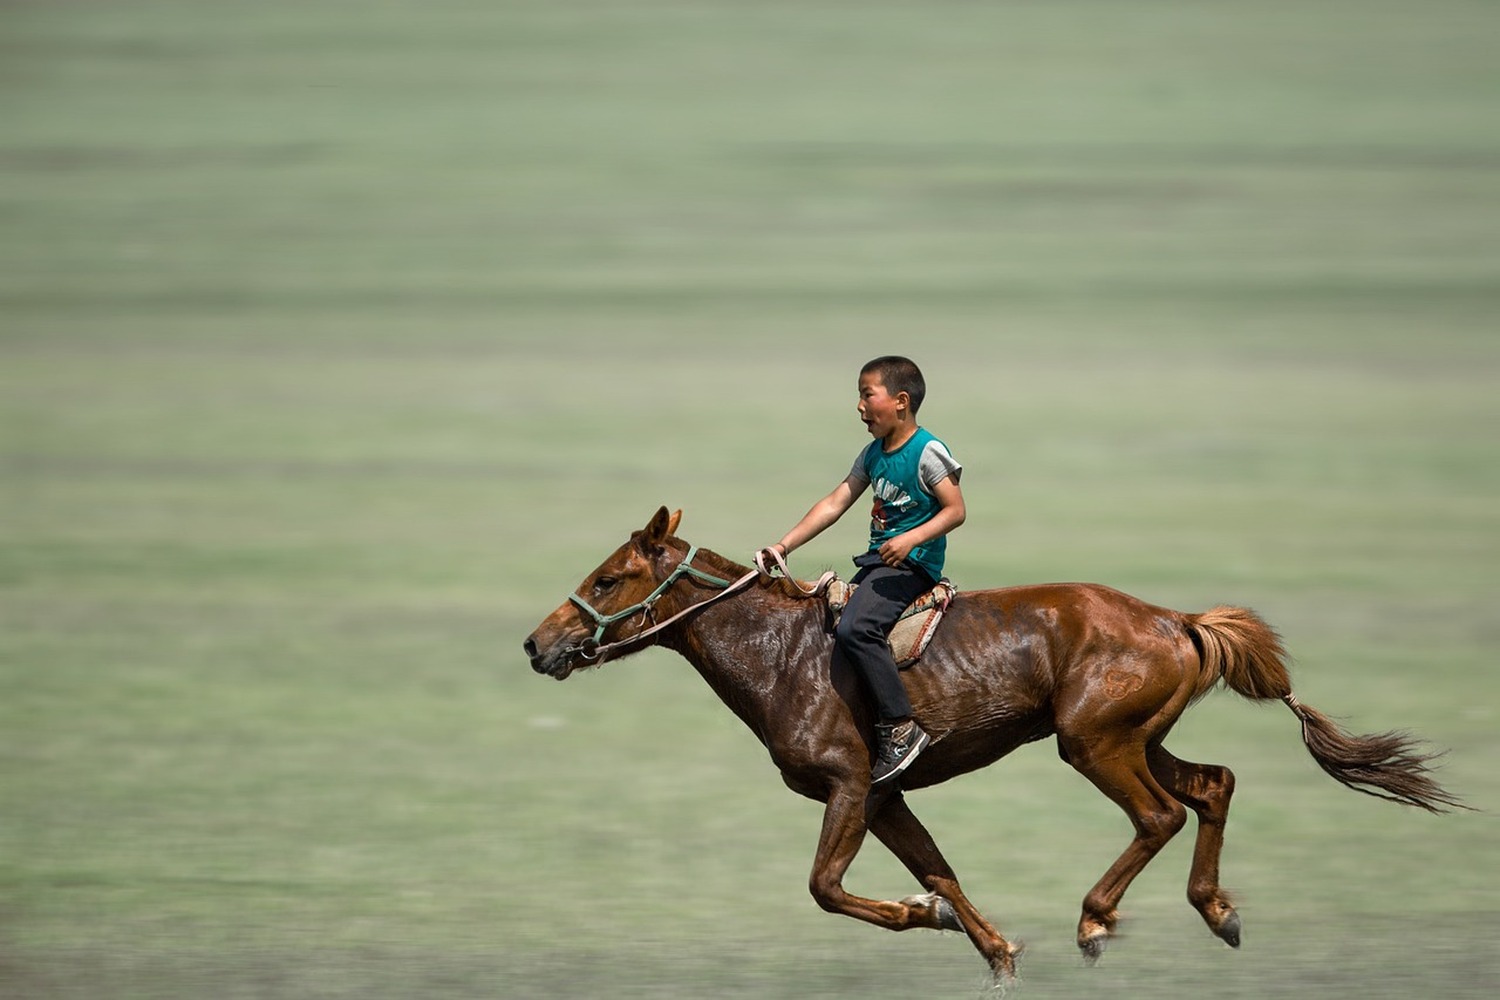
(530, 647)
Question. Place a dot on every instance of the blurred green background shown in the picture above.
(338, 340)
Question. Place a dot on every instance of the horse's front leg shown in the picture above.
(845, 821)
(898, 829)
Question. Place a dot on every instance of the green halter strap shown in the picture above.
(684, 568)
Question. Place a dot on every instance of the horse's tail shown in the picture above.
(1237, 645)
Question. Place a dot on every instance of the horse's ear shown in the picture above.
(673, 522)
(659, 527)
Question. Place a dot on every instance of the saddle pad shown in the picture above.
(915, 628)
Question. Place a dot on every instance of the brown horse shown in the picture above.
(1107, 674)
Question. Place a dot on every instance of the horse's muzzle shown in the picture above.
(555, 661)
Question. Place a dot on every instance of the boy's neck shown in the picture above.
(899, 436)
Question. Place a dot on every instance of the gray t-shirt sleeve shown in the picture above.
(936, 464)
(858, 472)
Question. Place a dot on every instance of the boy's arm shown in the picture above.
(823, 513)
(950, 515)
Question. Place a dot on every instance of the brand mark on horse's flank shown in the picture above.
(1121, 683)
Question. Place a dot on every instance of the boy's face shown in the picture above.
(881, 412)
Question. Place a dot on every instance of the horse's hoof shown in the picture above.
(1003, 965)
(1229, 930)
(941, 910)
(1092, 947)
(948, 916)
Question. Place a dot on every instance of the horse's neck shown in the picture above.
(742, 645)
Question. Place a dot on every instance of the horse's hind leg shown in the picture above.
(1118, 769)
(1205, 789)
(900, 831)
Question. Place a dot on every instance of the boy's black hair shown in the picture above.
(899, 374)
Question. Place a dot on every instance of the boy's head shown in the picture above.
(899, 375)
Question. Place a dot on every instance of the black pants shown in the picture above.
(863, 632)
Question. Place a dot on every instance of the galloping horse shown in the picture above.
(1105, 673)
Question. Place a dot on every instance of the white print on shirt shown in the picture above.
(888, 495)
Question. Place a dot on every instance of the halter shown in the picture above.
(591, 649)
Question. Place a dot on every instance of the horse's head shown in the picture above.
(617, 595)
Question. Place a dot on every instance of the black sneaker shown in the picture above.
(897, 745)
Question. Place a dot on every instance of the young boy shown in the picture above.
(917, 502)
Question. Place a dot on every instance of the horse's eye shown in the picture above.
(604, 583)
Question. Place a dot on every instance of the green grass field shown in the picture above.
(339, 340)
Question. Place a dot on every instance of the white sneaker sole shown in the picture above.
(922, 743)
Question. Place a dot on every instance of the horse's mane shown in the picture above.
(731, 570)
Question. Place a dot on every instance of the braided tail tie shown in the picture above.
(1305, 717)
